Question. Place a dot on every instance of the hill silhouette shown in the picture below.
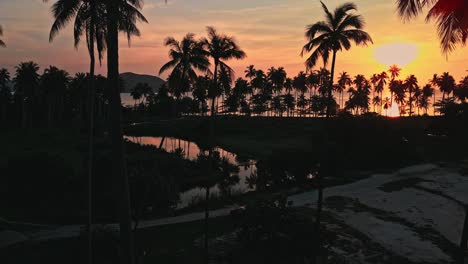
(131, 79)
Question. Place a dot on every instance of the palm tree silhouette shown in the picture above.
(426, 93)
(451, 17)
(89, 21)
(26, 90)
(122, 15)
(221, 48)
(2, 44)
(250, 72)
(187, 57)
(333, 35)
(374, 80)
(446, 84)
(461, 91)
(382, 81)
(411, 84)
(394, 71)
(54, 83)
(5, 92)
(343, 81)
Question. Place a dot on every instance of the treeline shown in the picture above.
(53, 98)
(273, 93)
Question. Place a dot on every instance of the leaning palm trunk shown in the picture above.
(119, 167)
(91, 142)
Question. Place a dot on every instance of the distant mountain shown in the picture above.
(131, 79)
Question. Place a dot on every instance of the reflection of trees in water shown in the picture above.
(223, 172)
(282, 170)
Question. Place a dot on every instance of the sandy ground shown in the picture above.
(415, 213)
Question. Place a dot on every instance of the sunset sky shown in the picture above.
(270, 31)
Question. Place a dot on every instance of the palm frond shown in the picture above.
(408, 9)
(320, 27)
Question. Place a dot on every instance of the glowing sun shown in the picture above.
(400, 54)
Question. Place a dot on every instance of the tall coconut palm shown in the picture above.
(382, 81)
(250, 72)
(446, 84)
(26, 90)
(434, 83)
(187, 57)
(411, 85)
(426, 93)
(451, 17)
(333, 35)
(54, 83)
(221, 48)
(89, 22)
(461, 92)
(374, 80)
(343, 81)
(2, 44)
(394, 71)
(5, 93)
(122, 15)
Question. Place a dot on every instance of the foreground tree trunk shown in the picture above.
(119, 167)
(91, 141)
(330, 89)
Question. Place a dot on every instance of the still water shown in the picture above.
(191, 151)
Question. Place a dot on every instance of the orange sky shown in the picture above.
(270, 31)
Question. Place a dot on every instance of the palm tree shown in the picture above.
(411, 84)
(5, 92)
(90, 21)
(374, 80)
(451, 17)
(461, 92)
(343, 81)
(333, 35)
(434, 83)
(187, 57)
(446, 84)
(386, 104)
(250, 72)
(122, 15)
(54, 83)
(26, 90)
(382, 81)
(394, 71)
(2, 44)
(399, 89)
(221, 48)
(426, 93)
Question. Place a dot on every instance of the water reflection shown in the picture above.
(231, 181)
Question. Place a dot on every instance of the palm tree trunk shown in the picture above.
(215, 81)
(209, 172)
(119, 167)
(91, 141)
(329, 105)
(410, 103)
